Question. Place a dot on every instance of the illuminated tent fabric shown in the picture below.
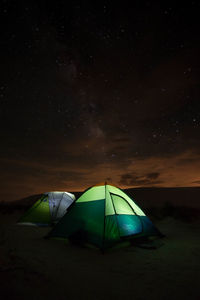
(103, 216)
(48, 209)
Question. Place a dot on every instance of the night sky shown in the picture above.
(98, 91)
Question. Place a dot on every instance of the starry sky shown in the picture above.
(98, 91)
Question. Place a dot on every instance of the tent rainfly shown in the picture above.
(104, 216)
(48, 209)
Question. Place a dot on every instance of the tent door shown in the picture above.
(128, 222)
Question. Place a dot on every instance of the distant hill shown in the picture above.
(183, 196)
(24, 203)
(156, 202)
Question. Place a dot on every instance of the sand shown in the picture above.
(32, 267)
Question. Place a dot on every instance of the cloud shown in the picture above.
(131, 179)
(153, 176)
(83, 168)
(196, 182)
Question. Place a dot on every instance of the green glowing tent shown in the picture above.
(103, 216)
(48, 209)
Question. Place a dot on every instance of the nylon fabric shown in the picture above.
(111, 231)
(52, 204)
(121, 205)
(148, 227)
(119, 192)
(129, 225)
(65, 202)
(109, 204)
(85, 221)
(103, 216)
(39, 213)
(48, 209)
(94, 193)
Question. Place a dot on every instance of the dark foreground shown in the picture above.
(35, 268)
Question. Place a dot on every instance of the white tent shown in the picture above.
(58, 203)
(48, 209)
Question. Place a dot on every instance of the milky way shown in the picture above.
(99, 92)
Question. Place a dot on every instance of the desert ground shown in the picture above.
(32, 267)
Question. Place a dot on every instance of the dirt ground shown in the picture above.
(32, 267)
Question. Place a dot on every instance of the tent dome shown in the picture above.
(48, 209)
(103, 216)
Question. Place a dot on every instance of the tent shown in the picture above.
(104, 216)
(48, 209)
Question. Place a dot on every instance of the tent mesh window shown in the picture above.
(121, 206)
